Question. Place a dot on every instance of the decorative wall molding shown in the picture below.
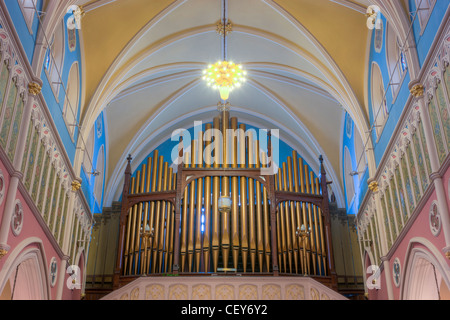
(224, 288)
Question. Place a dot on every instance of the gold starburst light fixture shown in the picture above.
(224, 76)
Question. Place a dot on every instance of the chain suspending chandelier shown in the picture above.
(224, 75)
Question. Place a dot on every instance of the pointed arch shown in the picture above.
(27, 267)
(395, 59)
(427, 274)
(360, 153)
(71, 101)
(54, 59)
(348, 178)
(88, 155)
(378, 98)
(99, 180)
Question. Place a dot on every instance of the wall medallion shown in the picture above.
(435, 219)
(17, 218)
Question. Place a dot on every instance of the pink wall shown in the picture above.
(33, 229)
(419, 229)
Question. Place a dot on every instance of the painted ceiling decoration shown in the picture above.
(144, 61)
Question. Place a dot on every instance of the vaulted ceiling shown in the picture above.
(143, 62)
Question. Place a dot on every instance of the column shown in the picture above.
(34, 89)
(417, 90)
(373, 186)
(76, 185)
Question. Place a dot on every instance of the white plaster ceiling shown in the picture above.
(299, 80)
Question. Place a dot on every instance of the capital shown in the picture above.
(417, 90)
(76, 185)
(34, 88)
(373, 186)
(4, 249)
(3, 253)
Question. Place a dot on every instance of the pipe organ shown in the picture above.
(172, 221)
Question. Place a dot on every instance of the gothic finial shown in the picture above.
(129, 158)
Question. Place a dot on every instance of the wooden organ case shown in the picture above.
(171, 223)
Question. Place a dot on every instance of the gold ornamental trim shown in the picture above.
(228, 28)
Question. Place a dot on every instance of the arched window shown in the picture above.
(424, 9)
(348, 177)
(54, 59)
(28, 8)
(379, 105)
(100, 168)
(89, 152)
(360, 152)
(395, 60)
(70, 110)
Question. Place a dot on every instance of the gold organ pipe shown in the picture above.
(297, 206)
(312, 233)
(172, 229)
(234, 195)
(183, 246)
(162, 216)
(287, 223)
(293, 224)
(251, 203)
(139, 223)
(215, 199)
(323, 251)
(282, 222)
(191, 209)
(170, 218)
(146, 256)
(308, 226)
(267, 244)
(128, 230)
(259, 214)
(133, 227)
(206, 234)
(154, 164)
(243, 200)
(225, 190)
(172, 239)
(198, 232)
(157, 215)
(304, 221)
(278, 226)
(316, 226)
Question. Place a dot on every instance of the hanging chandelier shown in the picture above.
(224, 75)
